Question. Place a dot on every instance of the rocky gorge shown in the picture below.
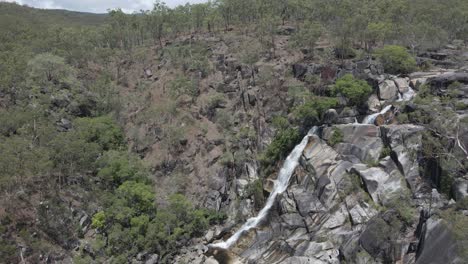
(369, 198)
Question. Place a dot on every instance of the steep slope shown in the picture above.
(366, 197)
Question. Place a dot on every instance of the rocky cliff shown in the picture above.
(375, 196)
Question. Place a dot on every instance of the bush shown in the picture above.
(255, 189)
(102, 130)
(117, 167)
(309, 113)
(336, 137)
(138, 196)
(386, 151)
(99, 220)
(396, 59)
(182, 85)
(355, 90)
(307, 36)
(284, 141)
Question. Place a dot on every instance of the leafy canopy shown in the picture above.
(396, 59)
(355, 90)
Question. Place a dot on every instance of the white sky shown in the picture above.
(99, 6)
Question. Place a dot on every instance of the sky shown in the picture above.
(99, 6)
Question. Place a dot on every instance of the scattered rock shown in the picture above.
(373, 103)
(148, 73)
(388, 90)
(153, 259)
(330, 116)
(460, 189)
(402, 84)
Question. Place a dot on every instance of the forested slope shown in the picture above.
(142, 138)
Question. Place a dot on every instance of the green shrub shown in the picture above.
(462, 204)
(403, 206)
(458, 223)
(461, 106)
(99, 220)
(386, 151)
(255, 190)
(138, 196)
(117, 167)
(336, 137)
(307, 36)
(284, 141)
(190, 58)
(396, 59)
(403, 118)
(183, 85)
(102, 130)
(354, 89)
(309, 113)
(280, 122)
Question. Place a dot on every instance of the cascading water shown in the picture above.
(281, 184)
(370, 119)
(410, 94)
(406, 96)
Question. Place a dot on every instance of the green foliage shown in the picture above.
(307, 36)
(386, 151)
(336, 137)
(190, 58)
(46, 69)
(355, 90)
(102, 130)
(310, 112)
(182, 85)
(396, 59)
(223, 119)
(138, 196)
(255, 190)
(403, 206)
(282, 143)
(457, 222)
(99, 220)
(8, 251)
(117, 167)
(72, 154)
(280, 122)
(462, 204)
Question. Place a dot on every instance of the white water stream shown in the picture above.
(281, 184)
(370, 119)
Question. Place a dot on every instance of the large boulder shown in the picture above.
(324, 251)
(379, 238)
(373, 103)
(460, 189)
(444, 80)
(406, 142)
(299, 70)
(360, 212)
(402, 84)
(437, 244)
(330, 116)
(388, 90)
(380, 185)
(360, 142)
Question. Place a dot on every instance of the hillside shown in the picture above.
(56, 17)
(236, 132)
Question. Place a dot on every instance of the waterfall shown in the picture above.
(410, 94)
(281, 184)
(370, 119)
(406, 96)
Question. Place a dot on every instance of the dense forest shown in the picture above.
(79, 181)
